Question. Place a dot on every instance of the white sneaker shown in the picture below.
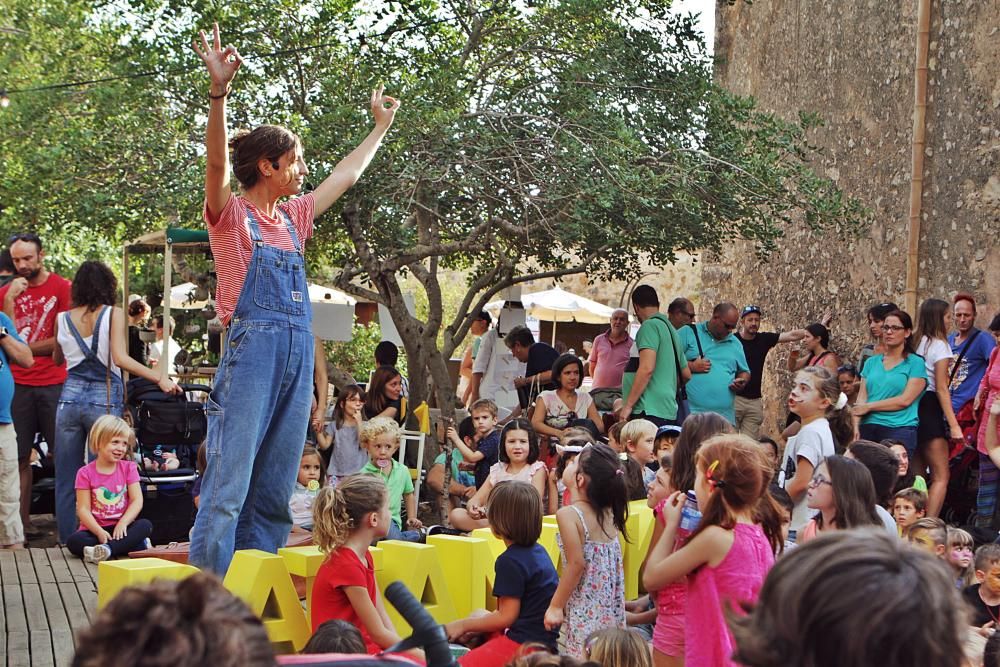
(147, 543)
(96, 554)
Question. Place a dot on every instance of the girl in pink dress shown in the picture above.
(727, 557)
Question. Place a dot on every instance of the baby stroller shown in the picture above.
(427, 634)
(169, 429)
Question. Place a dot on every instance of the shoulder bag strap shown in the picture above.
(961, 355)
(697, 340)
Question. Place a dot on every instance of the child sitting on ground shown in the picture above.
(486, 451)
(637, 442)
(929, 534)
(380, 436)
(108, 496)
(983, 598)
(312, 477)
(463, 482)
(524, 583)
(908, 506)
(347, 518)
(960, 552)
(518, 462)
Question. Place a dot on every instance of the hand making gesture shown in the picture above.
(383, 114)
(221, 63)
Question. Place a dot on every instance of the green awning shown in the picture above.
(181, 241)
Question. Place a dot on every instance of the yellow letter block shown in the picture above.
(468, 570)
(261, 580)
(114, 575)
(418, 567)
(640, 530)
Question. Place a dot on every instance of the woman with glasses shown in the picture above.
(937, 417)
(842, 492)
(817, 343)
(891, 386)
(876, 317)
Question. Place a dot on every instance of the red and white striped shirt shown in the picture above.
(232, 248)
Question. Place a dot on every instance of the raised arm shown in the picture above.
(349, 170)
(221, 65)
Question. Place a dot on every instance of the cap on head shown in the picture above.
(749, 310)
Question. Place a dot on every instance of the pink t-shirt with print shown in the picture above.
(232, 248)
(108, 493)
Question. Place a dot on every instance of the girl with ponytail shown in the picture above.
(347, 518)
(727, 557)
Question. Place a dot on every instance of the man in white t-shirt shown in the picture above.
(156, 348)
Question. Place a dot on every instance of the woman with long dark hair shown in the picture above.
(817, 343)
(91, 338)
(937, 424)
(385, 395)
(266, 373)
(891, 386)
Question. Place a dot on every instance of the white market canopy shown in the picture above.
(558, 305)
(320, 294)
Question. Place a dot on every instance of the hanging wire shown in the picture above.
(362, 40)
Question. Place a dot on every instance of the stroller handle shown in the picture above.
(426, 631)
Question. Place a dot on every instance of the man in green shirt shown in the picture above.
(650, 382)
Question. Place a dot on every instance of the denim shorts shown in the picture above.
(905, 434)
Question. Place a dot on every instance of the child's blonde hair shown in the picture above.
(634, 430)
(959, 538)
(339, 510)
(105, 429)
(375, 427)
(617, 647)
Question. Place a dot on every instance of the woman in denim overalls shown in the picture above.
(259, 409)
(85, 394)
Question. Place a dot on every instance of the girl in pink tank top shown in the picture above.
(728, 555)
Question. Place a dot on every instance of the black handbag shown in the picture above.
(167, 419)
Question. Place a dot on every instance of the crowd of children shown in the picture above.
(740, 531)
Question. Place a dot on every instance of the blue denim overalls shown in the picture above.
(258, 411)
(84, 398)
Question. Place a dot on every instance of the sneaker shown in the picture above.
(147, 543)
(96, 554)
(443, 530)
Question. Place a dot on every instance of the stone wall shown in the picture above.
(852, 62)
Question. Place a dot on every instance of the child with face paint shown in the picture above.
(815, 396)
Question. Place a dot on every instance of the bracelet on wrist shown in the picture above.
(218, 97)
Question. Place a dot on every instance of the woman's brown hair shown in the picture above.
(930, 320)
(186, 623)
(376, 400)
(266, 142)
(861, 598)
(740, 473)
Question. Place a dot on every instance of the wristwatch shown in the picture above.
(3, 332)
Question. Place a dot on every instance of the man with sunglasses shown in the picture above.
(33, 300)
(718, 364)
(756, 344)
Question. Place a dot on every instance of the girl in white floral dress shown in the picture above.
(591, 593)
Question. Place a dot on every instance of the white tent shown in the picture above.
(557, 305)
(320, 294)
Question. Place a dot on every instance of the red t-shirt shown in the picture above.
(329, 601)
(232, 247)
(35, 316)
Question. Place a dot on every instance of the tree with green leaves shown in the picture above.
(535, 140)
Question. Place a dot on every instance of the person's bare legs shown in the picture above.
(936, 454)
(460, 519)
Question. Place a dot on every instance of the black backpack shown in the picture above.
(166, 419)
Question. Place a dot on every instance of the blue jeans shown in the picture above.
(257, 418)
(905, 434)
(395, 533)
(80, 404)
